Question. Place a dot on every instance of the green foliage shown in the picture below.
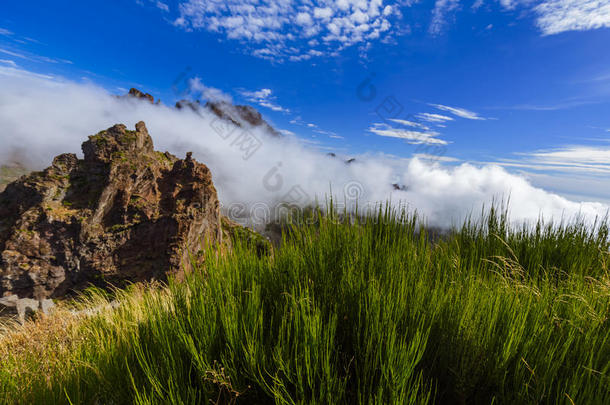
(363, 310)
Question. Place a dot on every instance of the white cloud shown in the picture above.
(32, 57)
(412, 137)
(556, 16)
(199, 90)
(263, 97)
(260, 94)
(511, 4)
(157, 3)
(8, 62)
(286, 132)
(459, 112)
(323, 13)
(304, 19)
(14, 54)
(18, 73)
(46, 117)
(330, 134)
(282, 30)
(439, 14)
(435, 118)
(5, 32)
(552, 16)
(575, 171)
(435, 158)
(408, 123)
(162, 6)
(582, 159)
(477, 4)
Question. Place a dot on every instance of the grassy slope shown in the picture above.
(365, 313)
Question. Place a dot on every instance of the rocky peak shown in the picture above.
(117, 141)
(240, 114)
(123, 213)
(193, 105)
(135, 93)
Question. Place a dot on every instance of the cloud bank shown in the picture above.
(280, 30)
(42, 116)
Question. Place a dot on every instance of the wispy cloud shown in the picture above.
(5, 32)
(162, 6)
(8, 62)
(286, 132)
(436, 158)
(439, 14)
(408, 123)
(298, 120)
(477, 4)
(412, 137)
(14, 54)
(264, 98)
(573, 159)
(32, 57)
(434, 118)
(157, 3)
(560, 105)
(552, 16)
(577, 172)
(330, 134)
(460, 112)
(556, 16)
(200, 90)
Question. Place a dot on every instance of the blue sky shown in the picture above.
(520, 83)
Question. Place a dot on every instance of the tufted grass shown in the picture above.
(364, 310)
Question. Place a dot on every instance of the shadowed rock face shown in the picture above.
(123, 213)
(237, 114)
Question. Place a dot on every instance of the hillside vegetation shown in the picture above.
(345, 311)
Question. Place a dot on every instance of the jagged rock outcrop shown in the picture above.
(193, 105)
(236, 114)
(135, 93)
(240, 114)
(123, 213)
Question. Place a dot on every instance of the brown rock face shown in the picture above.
(123, 213)
(139, 94)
